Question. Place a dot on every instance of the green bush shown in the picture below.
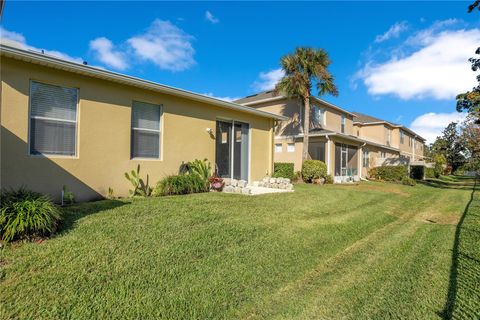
(313, 169)
(389, 173)
(25, 214)
(328, 179)
(409, 181)
(440, 165)
(417, 172)
(430, 173)
(283, 170)
(201, 168)
(180, 184)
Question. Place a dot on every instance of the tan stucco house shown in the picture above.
(64, 123)
(349, 143)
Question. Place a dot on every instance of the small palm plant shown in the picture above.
(304, 68)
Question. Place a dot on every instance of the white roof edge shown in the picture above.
(280, 97)
(51, 61)
(333, 106)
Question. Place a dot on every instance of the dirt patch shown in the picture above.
(438, 218)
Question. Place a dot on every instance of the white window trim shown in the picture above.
(159, 131)
(278, 145)
(30, 117)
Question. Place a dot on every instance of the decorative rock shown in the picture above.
(256, 183)
(273, 180)
(266, 179)
(238, 190)
(246, 191)
(290, 187)
(233, 182)
(242, 183)
(227, 181)
(228, 189)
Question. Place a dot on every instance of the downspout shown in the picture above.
(328, 154)
(361, 162)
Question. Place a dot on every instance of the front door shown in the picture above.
(231, 149)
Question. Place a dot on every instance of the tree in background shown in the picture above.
(470, 100)
(470, 135)
(303, 69)
(451, 145)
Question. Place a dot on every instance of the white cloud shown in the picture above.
(15, 39)
(210, 17)
(166, 45)
(105, 52)
(438, 69)
(431, 125)
(229, 99)
(268, 80)
(393, 32)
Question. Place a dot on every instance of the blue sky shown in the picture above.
(400, 61)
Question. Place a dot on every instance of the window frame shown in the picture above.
(366, 158)
(160, 133)
(76, 122)
(291, 144)
(278, 145)
(402, 137)
(343, 123)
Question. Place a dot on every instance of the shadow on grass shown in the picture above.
(468, 184)
(75, 212)
(462, 298)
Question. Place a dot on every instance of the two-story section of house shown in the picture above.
(332, 137)
(349, 143)
(399, 144)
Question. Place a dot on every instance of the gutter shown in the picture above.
(61, 64)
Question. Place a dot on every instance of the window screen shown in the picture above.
(145, 130)
(53, 119)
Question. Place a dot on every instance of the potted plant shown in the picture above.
(216, 183)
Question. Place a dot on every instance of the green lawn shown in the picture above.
(352, 252)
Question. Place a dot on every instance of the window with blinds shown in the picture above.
(145, 130)
(53, 119)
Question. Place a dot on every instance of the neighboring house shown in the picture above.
(349, 143)
(64, 123)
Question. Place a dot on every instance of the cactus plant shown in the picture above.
(140, 188)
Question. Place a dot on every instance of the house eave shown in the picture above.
(53, 62)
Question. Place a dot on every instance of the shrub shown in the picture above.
(67, 196)
(328, 179)
(440, 164)
(25, 214)
(201, 168)
(283, 170)
(389, 173)
(430, 173)
(180, 184)
(313, 169)
(417, 172)
(408, 181)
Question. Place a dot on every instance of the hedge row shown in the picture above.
(389, 173)
(283, 170)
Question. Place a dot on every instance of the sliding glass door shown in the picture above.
(231, 149)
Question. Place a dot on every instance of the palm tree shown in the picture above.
(304, 68)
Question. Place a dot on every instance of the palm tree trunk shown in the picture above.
(306, 127)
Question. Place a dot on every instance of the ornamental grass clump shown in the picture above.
(26, 214)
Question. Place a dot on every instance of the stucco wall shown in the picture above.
(103, 140)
